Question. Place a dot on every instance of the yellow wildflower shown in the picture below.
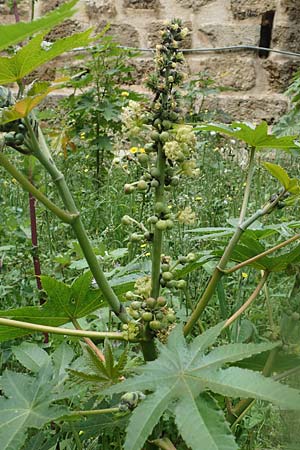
(124, 94)
(244, 275)
(137, 150)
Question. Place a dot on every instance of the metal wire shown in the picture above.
(207, 49)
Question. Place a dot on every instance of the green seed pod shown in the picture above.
(155, 135)
(134, 314)
(9, 138)
(167, 276)
(160, 207)
(129, 295)
(182, 259)
(142, 185)
(150, 302)
(165, 267)
(164, 136)
(159, 315)
(148, 236)
(161, 225)
(167, 124)
(128, 188)
(181, 284)
(295, 316)
(136, 305)
(147, 316)
(161, 301)
(19, 138)
(126, 220)
(154, 183)
(171, 284)
(152, 219)
(171, 317)
(175, 181)
(149, 147)
(143, 158)
(135, 237)
(155, 173)
(191, 257)
(155, 325)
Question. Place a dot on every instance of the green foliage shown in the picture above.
(33, 55)
(13, 33)
(255, 136)
(184, 372)
(28, 404)
(105, 372)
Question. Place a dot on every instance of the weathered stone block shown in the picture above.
(49, 5)
(97, 8)
(292, 9)
(252, 108)
(286, 37)
(228, 35)
(228, 71)
(242, 9)
(142, 67)
(123, 33)
(280, 73)
(195, 5)
(142, 4)
(154, 37)
(63, 30)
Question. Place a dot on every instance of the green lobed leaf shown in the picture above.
(144, 418)
(202, 414)
(279, 173)
(182, 372)
(33, 55)
(13, 33)
(27, 405)
(255, 136)
(31, 356)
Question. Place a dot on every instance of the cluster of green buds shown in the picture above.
(130, 400)
(153, 312)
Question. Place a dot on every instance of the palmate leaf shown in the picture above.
(33, 55)
(255, 136)
(27, 404)
(181, 376)
(64, 303)
(13, 33)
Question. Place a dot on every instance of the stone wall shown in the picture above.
(257, 82)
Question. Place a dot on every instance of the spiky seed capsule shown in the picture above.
(160, 207)
(171, 317)
(154, 183)
(128, 188)
(126, 220)
(155, 173)
(129, 295)
(151, 302)
(167, 276)
(134, 314)
(181, 284)
(295, 316)
(182, 259)
(170, 223)
(164, 136)
(135, 237)
(161, 225)
(191, 257)
(142, 185)
(143, 158)
(161, 301)
(159, 315)
(155, 325)
(152, 219)
(165, 267)
(136, 305)
(147, 316)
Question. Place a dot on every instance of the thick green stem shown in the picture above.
(94, 412)
(218, 272)
(220, 268)
(27, 186)
(261, 255)
(41, 152)
(248, 302)
(65, 331)
(157, 239)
